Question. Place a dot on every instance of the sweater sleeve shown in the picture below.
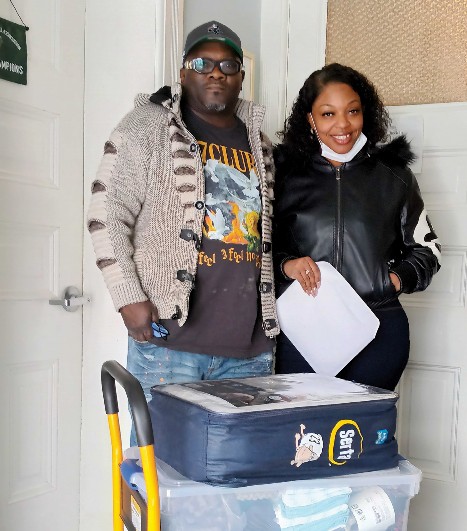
(117, 197)
(421, 255)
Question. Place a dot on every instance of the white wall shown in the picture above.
(293, 44)
(120, 39)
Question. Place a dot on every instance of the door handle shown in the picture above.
(72, 299)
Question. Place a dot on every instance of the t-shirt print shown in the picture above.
(232, 205)
(224, 309)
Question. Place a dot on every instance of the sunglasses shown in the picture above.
(229, 67)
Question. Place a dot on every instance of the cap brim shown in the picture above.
(224, 40)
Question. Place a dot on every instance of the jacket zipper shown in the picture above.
(339, 234)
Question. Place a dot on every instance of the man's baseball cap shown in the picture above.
(213, 31)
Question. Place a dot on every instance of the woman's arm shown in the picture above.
(288, 265)
(421, 253)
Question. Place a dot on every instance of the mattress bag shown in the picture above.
(248, 431)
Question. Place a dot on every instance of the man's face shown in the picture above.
(214, 92)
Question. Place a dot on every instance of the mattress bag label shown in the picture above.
(345, 442)
(308, 447)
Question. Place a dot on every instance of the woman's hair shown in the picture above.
(296, 136)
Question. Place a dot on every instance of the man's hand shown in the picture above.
(138, 318)
(306, 272)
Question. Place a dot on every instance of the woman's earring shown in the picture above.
(312, 125)
(313, 134)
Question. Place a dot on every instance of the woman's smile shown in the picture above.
(342, 139)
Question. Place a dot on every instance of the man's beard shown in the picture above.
(216, 107)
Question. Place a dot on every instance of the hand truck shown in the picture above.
(111, 372)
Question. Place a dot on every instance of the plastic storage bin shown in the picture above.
(370, 501)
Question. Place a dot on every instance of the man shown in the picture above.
(180, 222)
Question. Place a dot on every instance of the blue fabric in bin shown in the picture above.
(313, 508)
(128, 467)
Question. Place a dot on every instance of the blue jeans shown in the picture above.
(154, 365)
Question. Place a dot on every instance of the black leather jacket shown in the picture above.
(365, 217)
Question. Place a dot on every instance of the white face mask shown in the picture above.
(330, 154)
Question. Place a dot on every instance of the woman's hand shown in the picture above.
(395, 281)
(306, 272)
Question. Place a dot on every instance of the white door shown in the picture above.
(432, 423)
(41, 196)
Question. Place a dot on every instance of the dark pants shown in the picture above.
(380, 363)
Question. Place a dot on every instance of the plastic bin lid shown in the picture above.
(173, 484)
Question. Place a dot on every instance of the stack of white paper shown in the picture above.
(330, 329)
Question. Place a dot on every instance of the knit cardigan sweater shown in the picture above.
(147, 207)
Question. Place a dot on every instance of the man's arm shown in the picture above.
(118, 194)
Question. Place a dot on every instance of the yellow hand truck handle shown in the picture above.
(112, 371)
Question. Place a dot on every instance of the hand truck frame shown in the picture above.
(112, 372)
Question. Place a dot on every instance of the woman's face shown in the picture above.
(338, 117)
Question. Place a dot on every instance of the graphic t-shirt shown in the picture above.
(225, 314)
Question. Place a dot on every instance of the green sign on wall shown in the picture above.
(13, 52)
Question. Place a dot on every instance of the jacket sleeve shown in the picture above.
(282, 241)
(116, 200)
(421, 253)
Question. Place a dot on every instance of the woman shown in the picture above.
(343, 199)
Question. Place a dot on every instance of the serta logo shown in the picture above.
(346, 442)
